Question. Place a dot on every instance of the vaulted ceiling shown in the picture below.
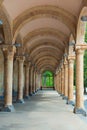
(44, 27)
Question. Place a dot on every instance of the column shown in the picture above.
(70, 80)
(66, 80)
(30, 85)
(79, 106)
(20, 79)
(34, 81)
(62, 71)
(26, 81)
(60, 82)
(8, 56)
(55, 82)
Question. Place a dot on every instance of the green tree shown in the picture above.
(47, 79)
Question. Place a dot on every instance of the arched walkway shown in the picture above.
(39, 43)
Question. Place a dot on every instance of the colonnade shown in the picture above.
(64, 79)
(32, 78)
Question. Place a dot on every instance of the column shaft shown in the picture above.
(66, 80)
(79, 107)
(20, 80)
(27, 81)
(70, 81)
(9, 55)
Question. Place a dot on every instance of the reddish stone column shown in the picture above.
(58, 81)
(33, 91)
(79, 106)
(31, 69)
(66, 80)
(26, 81)
(20, 79)
(62, 80)
(9, 55)
(34, 81)
(70, 80)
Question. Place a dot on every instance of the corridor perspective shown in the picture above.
(43, 64)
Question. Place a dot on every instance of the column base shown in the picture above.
(70, 102)
(36, 91)
(8, 108)
(20, 101)
(33, 92)
(61, 94)
(26, 97)
(65, 98)
(30, 94)
(80, 111)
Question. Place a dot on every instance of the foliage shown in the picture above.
(85, 69)
(47, 79)
(86, 34)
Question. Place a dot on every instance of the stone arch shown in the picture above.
(44, 11)
(48, 54)
(45, 50)
(19, 39)
(6, 25)
(46, 45)
(44, 32)
(44, 67)
(81, 26)
(71, 47)
(46, 58)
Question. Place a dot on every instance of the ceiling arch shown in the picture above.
(50, 11)
(45, 49)
(6, 26)
(48, 54)
(45, 32)
(44, 66)
(45, 39)
(46, 44)
(46, 58)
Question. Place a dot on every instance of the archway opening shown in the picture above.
(1, 33)
(47, 79)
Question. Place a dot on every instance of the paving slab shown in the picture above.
(44, 111)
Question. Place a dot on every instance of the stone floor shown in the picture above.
(44, 111)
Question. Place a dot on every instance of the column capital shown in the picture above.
(20, 58)
(9, 50)
(80, 51)
(71, 57)
(80, 47)
(27, 63)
